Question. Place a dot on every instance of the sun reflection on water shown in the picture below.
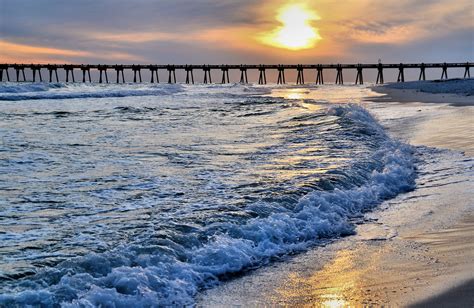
(337, 284)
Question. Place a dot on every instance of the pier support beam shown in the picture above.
(104, 70)
(35, 69)
(380, 74)
(422, 72)
(119, 70)
(359, 77)
(2, 68)
(444, 74)
(189, 74)
(69, 69)
(281, 75)
(339, 76)
(319, 75)
(154, 72)
(19, 69)
(401, 73)
(262, 78)
(136, 69)
(225, 74)
(467, 73)
(171, 74)
(50, 70)
(243, 75)
(85, 69)
(207, 74)
(300, 76)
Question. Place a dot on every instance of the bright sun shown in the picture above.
(296, 31)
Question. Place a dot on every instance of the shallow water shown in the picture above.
(146, 194)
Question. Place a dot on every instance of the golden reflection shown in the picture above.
(338, 284)
(296, 31)
(294, 95)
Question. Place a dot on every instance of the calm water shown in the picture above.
(146, 194)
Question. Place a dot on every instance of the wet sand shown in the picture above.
(411, 96)
(431, 118)
(417, 249)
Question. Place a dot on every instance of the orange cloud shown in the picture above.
(12, 52)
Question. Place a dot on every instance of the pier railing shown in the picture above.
(118, 71)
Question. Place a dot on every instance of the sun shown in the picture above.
(296, 31)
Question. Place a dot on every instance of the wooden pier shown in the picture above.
(318, 70)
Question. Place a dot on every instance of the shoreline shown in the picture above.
(394, 95)
(413, 250)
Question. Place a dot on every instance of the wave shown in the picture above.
(170, 271)
(37, 91)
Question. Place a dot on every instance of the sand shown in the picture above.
(412, 95)
(417, 249)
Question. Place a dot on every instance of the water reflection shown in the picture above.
(340, 283)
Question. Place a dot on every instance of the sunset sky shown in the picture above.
(228, 31)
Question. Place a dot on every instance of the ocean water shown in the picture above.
(143, 195)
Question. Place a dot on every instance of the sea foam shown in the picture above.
(37, 91)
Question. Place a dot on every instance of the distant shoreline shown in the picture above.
(410, 92)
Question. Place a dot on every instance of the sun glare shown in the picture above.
(296, 31)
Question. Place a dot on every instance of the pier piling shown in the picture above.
(300, 75)
(69, 68)
(171, 74)
(84, 69)
(52, 68)
(20, 69)
(207, 74)
(444, 74)
(243, 75)
(401, 73)
(379, 74)
(189, 73)
(319, 75)
(422, 72)
(281, 75)
(339, 77)
(154, 72)
(118, 71)
(225, 74)
(262, 77)
(103, 69)
(136, 69)
(34, 69)
(359, 77)
(467, 73)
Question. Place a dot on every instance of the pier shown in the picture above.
(316, 70)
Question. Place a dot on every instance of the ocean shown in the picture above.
(146, 194)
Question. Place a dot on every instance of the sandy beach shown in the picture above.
(415, 250)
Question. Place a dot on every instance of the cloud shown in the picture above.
(12, 52)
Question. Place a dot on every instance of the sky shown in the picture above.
(234, 32)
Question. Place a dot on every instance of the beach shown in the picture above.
(416, 249)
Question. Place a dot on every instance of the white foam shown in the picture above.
(36, 91)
